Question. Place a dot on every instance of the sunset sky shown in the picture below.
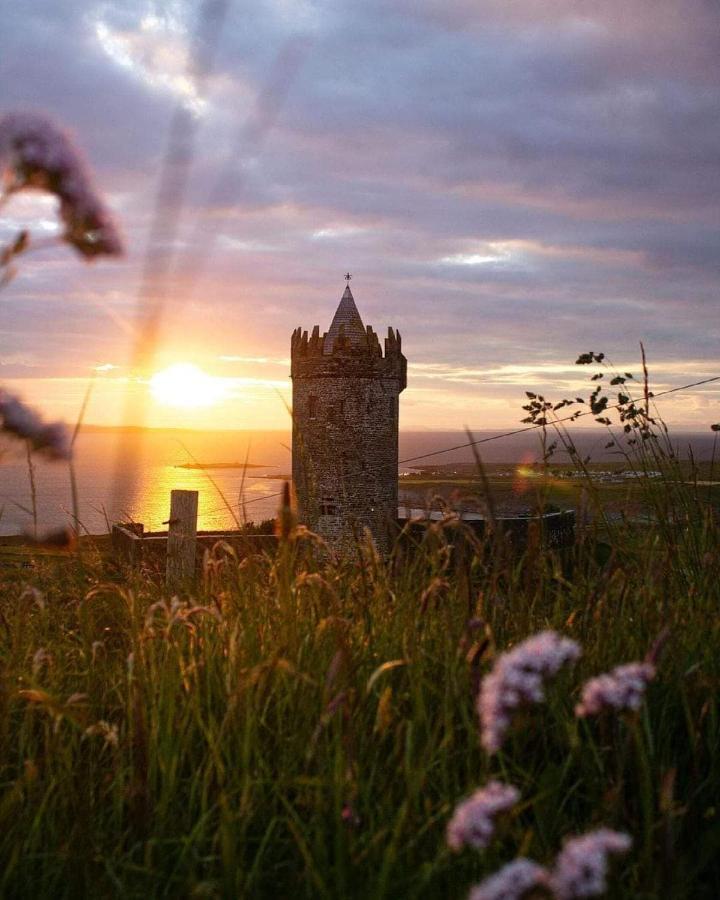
(510, 184)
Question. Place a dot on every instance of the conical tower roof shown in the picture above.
(346, 314)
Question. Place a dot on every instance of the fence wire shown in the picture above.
(486, 440)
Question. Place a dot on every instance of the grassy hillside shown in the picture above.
(305, 726)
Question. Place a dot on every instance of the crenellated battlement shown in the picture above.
(348, 349)
(320, 356)
(327, 345)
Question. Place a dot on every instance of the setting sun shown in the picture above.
(187, 386)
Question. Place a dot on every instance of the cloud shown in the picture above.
(264, 360)
(510, 183)
(156, 52)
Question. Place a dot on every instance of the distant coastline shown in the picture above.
(224, 465)
(676, 431)
(141, 429)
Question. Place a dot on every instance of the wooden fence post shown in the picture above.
(182, 534)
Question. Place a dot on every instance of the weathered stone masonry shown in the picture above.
(345, 427)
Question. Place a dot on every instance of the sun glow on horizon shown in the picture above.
(186, 386)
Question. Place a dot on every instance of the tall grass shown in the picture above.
(298, 726)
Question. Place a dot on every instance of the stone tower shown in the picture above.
(345, 427)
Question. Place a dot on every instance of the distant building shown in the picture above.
(345, 427)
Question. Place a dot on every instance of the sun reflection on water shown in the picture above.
(220, 506)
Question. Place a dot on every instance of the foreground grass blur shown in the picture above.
(298, 726)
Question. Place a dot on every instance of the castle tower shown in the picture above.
(345, 427)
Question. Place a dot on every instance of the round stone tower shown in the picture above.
(345, 427)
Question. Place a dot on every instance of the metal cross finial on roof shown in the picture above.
(348, 276)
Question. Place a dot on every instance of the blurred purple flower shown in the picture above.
(473, 822)
(35, 153)
(349, 816)
(20, 420)
(622, 688)
(517, 678)
(511, 882)
(580, 869)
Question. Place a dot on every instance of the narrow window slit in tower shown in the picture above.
(329, 506)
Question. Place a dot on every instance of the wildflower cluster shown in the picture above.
(517, 678)
(512, 881)
(621, 689)
(35, 153)
(580, 869)
(18, 419)
(473, 822)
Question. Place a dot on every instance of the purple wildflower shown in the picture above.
(20, 420)
(473, 822)
(622, 688)
(517, 678)
(581, 867)
(36, 153)
(511, 882)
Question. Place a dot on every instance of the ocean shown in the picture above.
(129, 475)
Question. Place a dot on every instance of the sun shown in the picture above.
(186, 386)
